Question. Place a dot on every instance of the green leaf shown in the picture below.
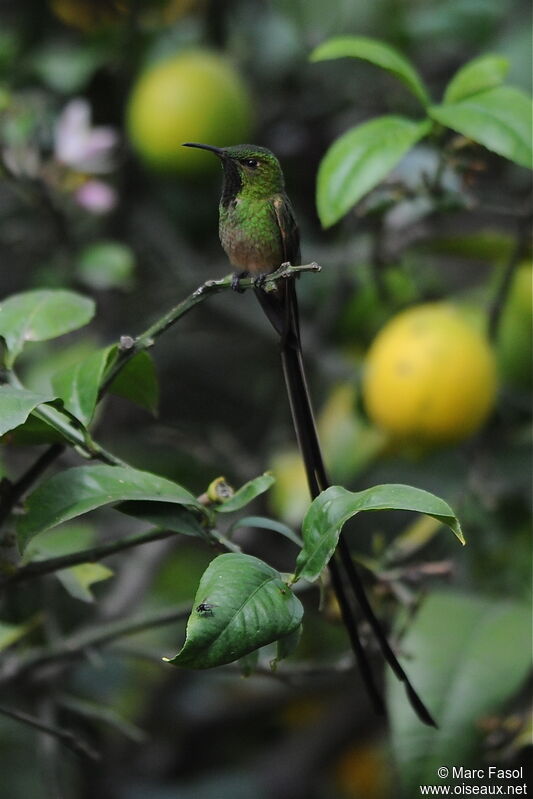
(41, 315)
(106, 265)
(76, 491)
(330, 511)
(11, 633)
(268, 524)
(241, 604)
(358, 160)
(77, 580)
(499, 119)
(378, 53)
(78, 385)
(138, 382)
(16, 404)
(467, 656)
(246, 493)
(480, 74)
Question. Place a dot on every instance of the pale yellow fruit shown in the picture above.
(429, 376)
(195, 96)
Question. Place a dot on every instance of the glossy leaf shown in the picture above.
(375, 52)
(358, 160)
(16, 404)
(477, 75)
(246, 493)
(77, 580)
(77, 385)
(138, 382)
(72, 492)
(241, 604)
(268, 524)
(467, 657)
(500, 119)
(330, 511)
(41, 315)
(62, 541)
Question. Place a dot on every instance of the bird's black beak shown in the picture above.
(217, 150)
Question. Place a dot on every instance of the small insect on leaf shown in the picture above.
(205, 609)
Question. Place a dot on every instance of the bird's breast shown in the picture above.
(250, 236)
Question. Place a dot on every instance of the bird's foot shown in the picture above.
(260, 280)
(235, 284)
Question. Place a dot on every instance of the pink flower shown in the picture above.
(96, 197)
(78, 145)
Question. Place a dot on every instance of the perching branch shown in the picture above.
(128, 347)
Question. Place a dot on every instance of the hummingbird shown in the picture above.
(259, 233)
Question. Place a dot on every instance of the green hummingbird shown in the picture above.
(259, 233)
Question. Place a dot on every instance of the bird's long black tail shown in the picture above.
(282, 310)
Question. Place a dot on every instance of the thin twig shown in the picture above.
(66, 737)
(128, 347)
(40, 567)
(15, 491)
(90, 638)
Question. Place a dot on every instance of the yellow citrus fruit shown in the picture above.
(429, 375)
(92, 15)
(514, 346)
(195, 96)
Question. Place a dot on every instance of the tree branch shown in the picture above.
(89, 638)
(128, 347)
(66, 737)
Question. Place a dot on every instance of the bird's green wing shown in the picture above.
(288, 229)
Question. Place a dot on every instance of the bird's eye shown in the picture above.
(251, 162)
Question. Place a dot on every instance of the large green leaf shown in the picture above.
(241, 604)
(358, 160)
(138, 382)
(76, 491)
(78, 385)
(500, 119)
(330, 511)
(378, 53)
(16, 404)
(40, 315)
(478, 75)
(246, 493)
(467, 656)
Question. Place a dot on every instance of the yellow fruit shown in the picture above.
(194, 96)
(429, 376)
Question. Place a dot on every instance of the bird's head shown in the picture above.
(248, 169)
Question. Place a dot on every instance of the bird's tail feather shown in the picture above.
(281, 308)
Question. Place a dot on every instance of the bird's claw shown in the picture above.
(235, 282)
(259, 281)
